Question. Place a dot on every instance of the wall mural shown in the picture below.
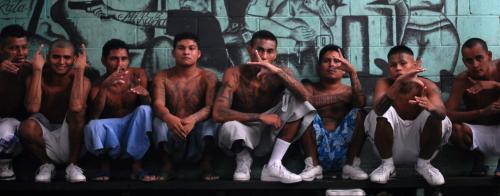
(366, 29)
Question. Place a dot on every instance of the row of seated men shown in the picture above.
(51, 109)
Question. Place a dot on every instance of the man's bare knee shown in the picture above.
(434, 126)
(30, 131)
(290, 130)
(461, 136)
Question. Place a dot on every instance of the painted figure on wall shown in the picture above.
(431, 28)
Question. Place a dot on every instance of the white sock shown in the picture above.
(421, 162)
(388, 161)
(279, 150)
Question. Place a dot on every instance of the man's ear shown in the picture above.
(418, 63)
(489, 55)
(250, 50)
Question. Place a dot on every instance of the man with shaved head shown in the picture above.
(476, 127)
(56, 95)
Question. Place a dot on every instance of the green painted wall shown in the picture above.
(366, 29)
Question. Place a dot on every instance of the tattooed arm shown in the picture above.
(454, 100)
(81, 85)
(222, 111)
(98, 97)
(293, 84)
(358, 96)
(204, 112)
(160, 109)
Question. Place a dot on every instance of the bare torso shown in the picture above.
(401, 104)
(12, 92)
(120, 101)
(253, 95)
(332, 114)
(56, 93)
(483, 98)
(185, 96)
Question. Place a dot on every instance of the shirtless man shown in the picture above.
(408, 122)
(339, 124)
(14, 69)
(477, 126)
(56, 95)
(261, 105)
(120, 111)
(183, 99)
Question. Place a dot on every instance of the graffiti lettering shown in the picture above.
(12, 7)
(144, 19)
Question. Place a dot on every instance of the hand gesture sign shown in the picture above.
(492, 109)
(479, 85)
(412, 76)
(116, 78)
(101, 11)
(135, 85)
(345, 65)
(424, 102)
(38, 61)
(326, 14)
(81, 59)
(266, 68)
(302, 33)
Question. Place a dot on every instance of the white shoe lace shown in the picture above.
(282, 171)
(382, 170)
(431, 171)
(74, 169)
(45, 168)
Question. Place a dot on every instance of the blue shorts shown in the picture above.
(333, 146)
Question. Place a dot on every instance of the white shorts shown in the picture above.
(486, 138)
(259, 137)
(56, 138)
(406, 147)
(8, 138)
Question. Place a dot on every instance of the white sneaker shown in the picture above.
(45, 173)
(243, 164)
(430, 174)
(277, 172)
(74, 174)
(346, 192)
(353, 172)
(382, 174)
(6, 171)
(311, 172)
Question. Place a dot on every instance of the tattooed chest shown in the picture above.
(254, 95)
(185, 99)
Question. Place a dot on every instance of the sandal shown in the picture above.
(102, 176)
(143, 176)
(166, 176)
(479, 171)
(210, 176)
